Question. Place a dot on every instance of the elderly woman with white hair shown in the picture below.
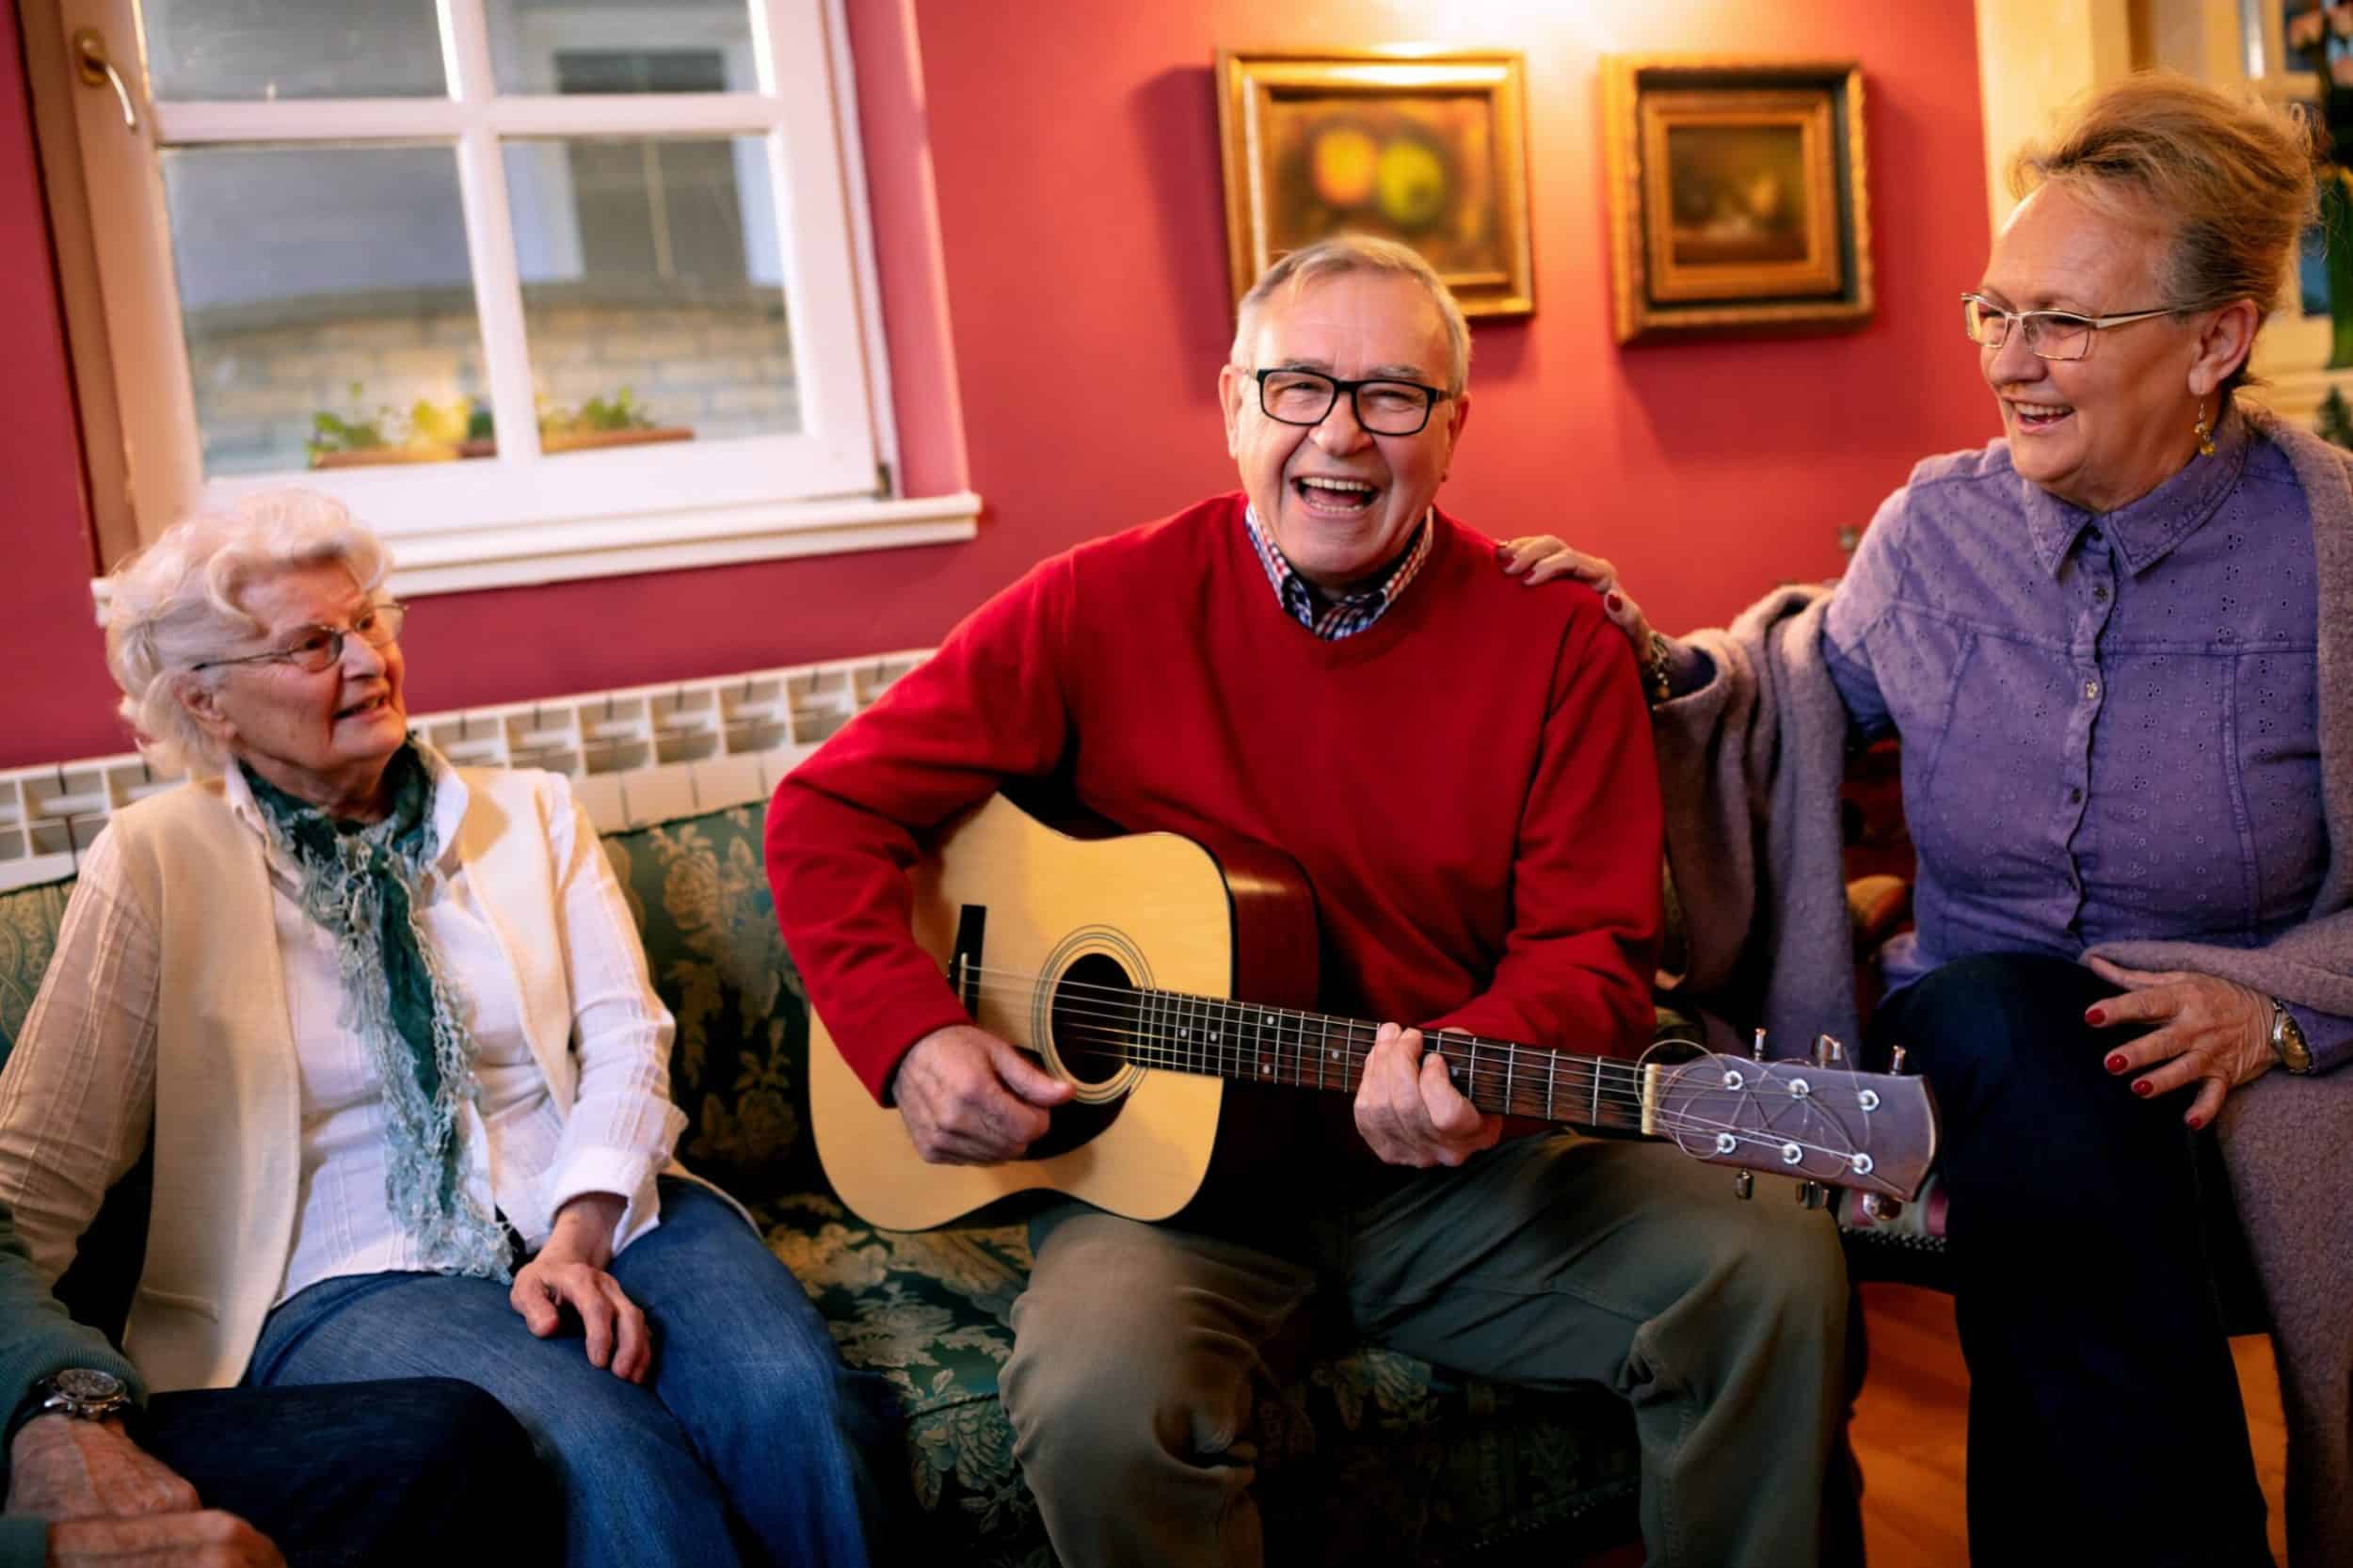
(388, 1025)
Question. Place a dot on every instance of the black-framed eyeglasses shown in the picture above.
(1384, 407)
(2051, 334)
(321, 648)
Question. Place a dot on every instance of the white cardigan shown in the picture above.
(227, 1103)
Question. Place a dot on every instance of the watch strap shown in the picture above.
(1657, 659)
(2288, 1039)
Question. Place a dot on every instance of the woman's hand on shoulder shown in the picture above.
(1536, 558)
(569, 1273)
(2210, 1032)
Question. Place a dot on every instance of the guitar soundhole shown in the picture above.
(1093, 1020)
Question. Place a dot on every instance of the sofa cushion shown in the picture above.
(699, 893)
(29, 918)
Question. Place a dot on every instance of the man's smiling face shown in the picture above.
(1340, 501)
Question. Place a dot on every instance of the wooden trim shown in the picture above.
(105, 463)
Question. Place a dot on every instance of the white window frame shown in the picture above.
(523, 516)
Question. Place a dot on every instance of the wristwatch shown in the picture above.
(84, 1393)
(2288, 1039)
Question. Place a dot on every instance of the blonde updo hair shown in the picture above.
(177, 604)
(2229, 179)
(1342, 254)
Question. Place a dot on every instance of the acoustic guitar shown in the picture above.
(1150, 971)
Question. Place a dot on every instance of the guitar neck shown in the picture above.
(1219, 1037)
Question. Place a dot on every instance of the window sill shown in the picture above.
(455, 561)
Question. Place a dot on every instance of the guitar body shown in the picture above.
(1014, 911)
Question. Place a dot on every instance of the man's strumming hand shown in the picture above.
(968, 1098)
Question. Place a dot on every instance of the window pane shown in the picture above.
(248, 49)
(329, 306)
(652, 289)
(568, 46)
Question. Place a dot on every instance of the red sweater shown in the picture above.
(1468, 784)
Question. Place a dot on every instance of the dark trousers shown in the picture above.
(2104, 1421)
(365, 1475)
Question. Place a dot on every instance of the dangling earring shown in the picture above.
(2205, 438)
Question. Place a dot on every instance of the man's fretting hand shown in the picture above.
(1409, 1110)
(968, 1098)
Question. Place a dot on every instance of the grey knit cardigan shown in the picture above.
(1752, 764)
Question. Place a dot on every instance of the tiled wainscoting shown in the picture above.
(635, 756)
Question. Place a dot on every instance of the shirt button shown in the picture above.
(2074, 794)
(2092, 690)
(2100, 594)
(2092, 535)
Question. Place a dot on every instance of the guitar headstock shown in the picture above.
(1875, 1132)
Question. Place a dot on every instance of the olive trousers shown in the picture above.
(1141, 1350)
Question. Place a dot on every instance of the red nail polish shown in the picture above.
(2093, 1016)
(2196, 1123)
(2117, 1062)
(1614, 602)
(2141, 1087)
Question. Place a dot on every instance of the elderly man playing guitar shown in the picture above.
(1327, 664)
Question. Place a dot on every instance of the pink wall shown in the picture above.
(1074, 150)
(56, 701)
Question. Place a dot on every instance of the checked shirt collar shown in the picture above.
(1350, 612)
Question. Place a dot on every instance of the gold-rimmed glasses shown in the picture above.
(2050, 334)
(321, 648)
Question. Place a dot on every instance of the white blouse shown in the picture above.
(523, 1157)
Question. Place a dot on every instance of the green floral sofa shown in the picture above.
(1369, 1457)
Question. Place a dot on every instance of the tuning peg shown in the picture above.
(1744, 1185)
(1827, 1051)
(1810, 1194)
(1756, 1046)
(1879, 1208)
(1896, 1059)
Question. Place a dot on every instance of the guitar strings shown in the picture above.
(1143, 1051)
(1673, 1121)
(1160, 1051)
(1129, 1005)
(1125, 1007)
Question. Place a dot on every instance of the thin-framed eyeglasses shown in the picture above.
(2051, 334)
(1384, 407)
(321, 648)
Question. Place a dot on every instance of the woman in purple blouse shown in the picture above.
(2117, 646)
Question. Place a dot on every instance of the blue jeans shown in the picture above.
(2104, 1421)
(750, 1444)
(376, 1475)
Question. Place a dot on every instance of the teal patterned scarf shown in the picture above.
(359, 882)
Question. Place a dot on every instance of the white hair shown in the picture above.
(1342, 254)
(177, 603)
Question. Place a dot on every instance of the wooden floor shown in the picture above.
(1909, 1430)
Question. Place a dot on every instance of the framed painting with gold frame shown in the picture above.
(1736, 196)
(1425, 148)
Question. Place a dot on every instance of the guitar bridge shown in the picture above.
(964, 958)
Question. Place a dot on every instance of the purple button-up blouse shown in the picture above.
(2110, 723)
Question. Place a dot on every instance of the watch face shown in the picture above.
(84, 1383)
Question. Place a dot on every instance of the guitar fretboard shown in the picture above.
(1219, 1037)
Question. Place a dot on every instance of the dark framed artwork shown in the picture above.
(1426, 149)
(1736, 196)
